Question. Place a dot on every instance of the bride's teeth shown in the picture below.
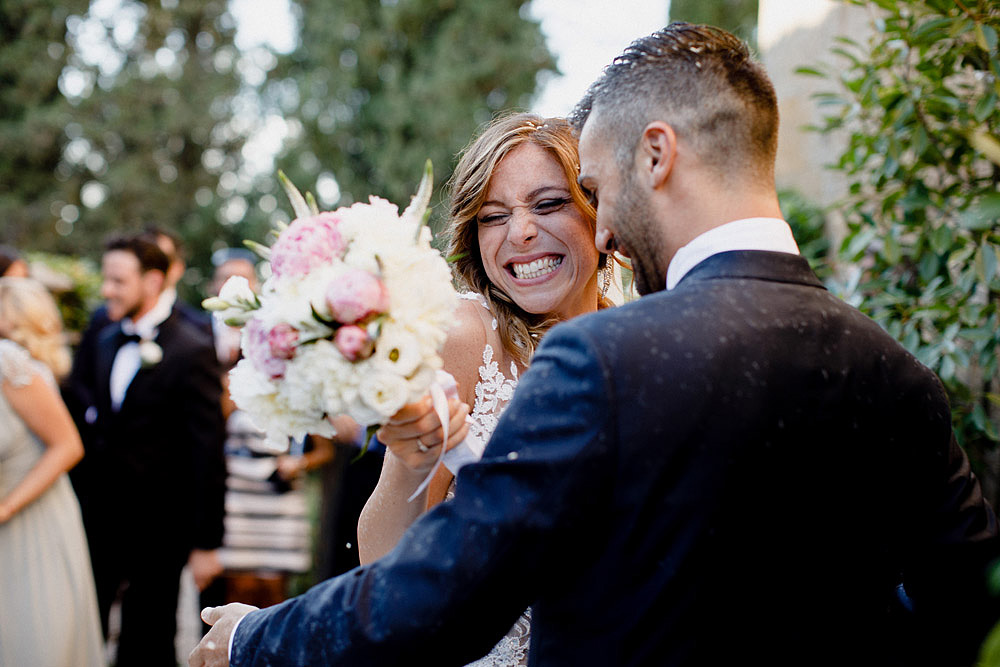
(536, 268)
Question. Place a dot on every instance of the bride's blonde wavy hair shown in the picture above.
(29, 317)
(519, 330)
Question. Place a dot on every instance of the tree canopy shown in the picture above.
(119, 114)
(378, 88)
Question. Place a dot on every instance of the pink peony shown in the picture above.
(258, 350)
(306, 244)
(353, 342)
(282, 339)
(355, 295)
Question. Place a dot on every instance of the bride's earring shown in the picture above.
(606, 278)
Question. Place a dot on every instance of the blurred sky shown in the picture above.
(583, 34)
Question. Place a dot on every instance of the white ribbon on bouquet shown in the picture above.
(442, 389)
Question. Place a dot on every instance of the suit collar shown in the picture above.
(747, 234)
(753, 265)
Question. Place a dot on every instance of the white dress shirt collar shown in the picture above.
(146, 325)
(748, 234)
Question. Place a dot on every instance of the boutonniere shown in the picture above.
(150, 353)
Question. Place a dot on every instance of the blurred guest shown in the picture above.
(48, 607)
(230, 262)
(152, 480)
(12, 265)
(268, 529)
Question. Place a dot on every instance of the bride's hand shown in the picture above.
(414, 434)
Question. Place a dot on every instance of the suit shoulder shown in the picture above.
(188, 335)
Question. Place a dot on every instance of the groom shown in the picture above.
(736, 468)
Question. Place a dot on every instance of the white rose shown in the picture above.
(383, 394)
(420, 382)
(397, 351)
(150, 353)
(235, 303)
(236, 291)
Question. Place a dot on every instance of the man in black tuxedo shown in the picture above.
(737, 468)
(152, 479)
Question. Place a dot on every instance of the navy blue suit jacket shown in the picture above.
(744, 469)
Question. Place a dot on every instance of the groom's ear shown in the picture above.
(657, 152)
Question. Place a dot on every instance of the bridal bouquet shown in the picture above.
(350, 321)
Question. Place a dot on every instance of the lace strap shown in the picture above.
(481, 300)
(474, 296)
(16, 365)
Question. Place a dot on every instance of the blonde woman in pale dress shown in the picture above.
(48, 607)
(525, 232)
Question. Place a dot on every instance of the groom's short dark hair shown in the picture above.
(701, 80)
(150, 256)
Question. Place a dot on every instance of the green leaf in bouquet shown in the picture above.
(369, 433)
(311, 201)
(322, 320)
(299, 205)
(417, 210)
(259, 248)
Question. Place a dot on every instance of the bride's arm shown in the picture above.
(388, 514)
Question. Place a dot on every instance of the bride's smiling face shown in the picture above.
(536, 244)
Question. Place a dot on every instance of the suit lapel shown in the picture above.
(107, 347)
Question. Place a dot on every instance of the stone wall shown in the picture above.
(796, 33)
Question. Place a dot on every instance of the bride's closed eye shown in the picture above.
(551, 205)
(492, 219)
(542, 207)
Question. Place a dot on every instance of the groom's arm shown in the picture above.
(463, 573)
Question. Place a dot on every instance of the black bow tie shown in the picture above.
(123, 338)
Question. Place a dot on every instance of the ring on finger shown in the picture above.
(421, 447)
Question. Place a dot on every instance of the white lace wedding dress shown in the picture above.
(493, 390)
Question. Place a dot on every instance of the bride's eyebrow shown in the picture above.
(531, 195)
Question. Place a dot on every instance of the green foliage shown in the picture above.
(918, 100)
(383, 86)
(74, 282)
(115, 120)
(737, 16)
(150, 127)
(32, 113)
(808, 225)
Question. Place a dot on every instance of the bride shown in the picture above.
(525, 233)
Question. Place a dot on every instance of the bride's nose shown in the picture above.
(522, 228)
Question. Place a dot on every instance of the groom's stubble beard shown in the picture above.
(633, 215)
